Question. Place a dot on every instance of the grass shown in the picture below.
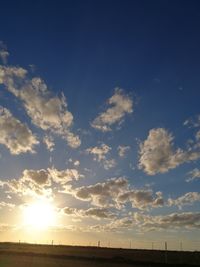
(14, 255)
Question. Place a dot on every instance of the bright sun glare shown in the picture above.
(39, 215)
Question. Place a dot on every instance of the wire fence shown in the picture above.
(186, 245)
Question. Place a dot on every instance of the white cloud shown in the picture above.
(193, 122)
(109, 164)
(194, 175)
(122, 150)
(100, 152)
(49, 142)
(76, 163)
(187, 199)
(15, 135)
(119, 104)
(46, 111)
(157, 154)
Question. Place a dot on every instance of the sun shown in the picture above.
(39, 215)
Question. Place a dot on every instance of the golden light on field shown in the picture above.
(39, 215)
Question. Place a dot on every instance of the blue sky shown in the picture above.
(113, 88)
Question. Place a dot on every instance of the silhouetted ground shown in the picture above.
(21, 255)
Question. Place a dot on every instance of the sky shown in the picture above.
(100, 122)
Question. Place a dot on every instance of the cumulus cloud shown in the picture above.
(116, 193)
(157, 154)
(122, 150)
(187, 199)
(49, 142)
(142, 222)
(35, 183)
(40, 177)
(194, 175)
(64, 176)
(187, 220)
(141, 199)
(97, 213)
(46, 111)
(11, 75)
(101, 194)
(15, 135)
(41, 183)
(119, 105)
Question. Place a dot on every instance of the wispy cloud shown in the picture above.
(3, 53)
(119, 105)
(123, 150)
(99, 152)
(64, 176)
(193, 175)
(49, 142)
(187, 199)
(109, 164)
(193, 122)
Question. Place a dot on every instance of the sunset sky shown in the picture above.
(100, 122)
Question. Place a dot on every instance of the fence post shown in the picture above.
(165, 252)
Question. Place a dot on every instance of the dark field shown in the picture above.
(21, 255)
